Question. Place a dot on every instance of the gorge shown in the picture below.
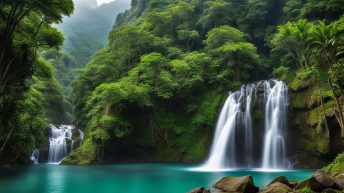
(164, 96)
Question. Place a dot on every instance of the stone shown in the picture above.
(199, 190)
(293, 183)
(302, 184)
(339, 182)
(281, 179)
(276, 187)
(317, 182)
(242, 184)
(320, 181)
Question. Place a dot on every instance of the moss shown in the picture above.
(187, 131)
(316, 114)
(307, 190)
(310, 97)
(296, 84)
(336, 167)
(85, 154)
(318, 144)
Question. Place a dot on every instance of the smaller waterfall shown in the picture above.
(276, 108)
(58, 143)
(34, 156)
(81, 134)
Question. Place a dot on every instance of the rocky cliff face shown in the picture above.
(313, 124)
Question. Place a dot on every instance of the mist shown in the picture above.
(86, 30)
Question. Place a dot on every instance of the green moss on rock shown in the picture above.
(85, 154)
(336, 167)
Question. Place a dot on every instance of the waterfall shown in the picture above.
(58, 143)
(81, 134)
(276, 108)
(34, 156)
(223, 151)
(238, 142)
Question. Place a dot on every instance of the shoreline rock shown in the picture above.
(318, 182)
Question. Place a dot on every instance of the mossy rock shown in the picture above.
(297, 84)
(84, 155)
(310, 97)
(336, 167)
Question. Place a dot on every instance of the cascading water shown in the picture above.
(233, 143)
(58, 143)
(223, 150)
(276, 108)
(34, 156)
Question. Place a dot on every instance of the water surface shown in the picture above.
(125, 178)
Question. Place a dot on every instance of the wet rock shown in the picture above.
(293, 183)
(339, 182)
(280, 179)
(235, 185)
(199, 190)
(320, 181)
(276, 187)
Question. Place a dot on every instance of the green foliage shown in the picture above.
(85, 154)
(307, 190)
(162, 54)
(336, 167)
(28, 86)
(281, 72)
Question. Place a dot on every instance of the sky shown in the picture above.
(99, 2)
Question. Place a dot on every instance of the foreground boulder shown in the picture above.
(280, 179)
(235, 185)
(276, 187)
(339, 182)
(199, 190)
(320, 181)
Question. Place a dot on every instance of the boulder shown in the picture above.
(199, 190)
(242, 184)
(280, 179)
(339, 182)
(320, 181)
(293, 183)
(276, 187)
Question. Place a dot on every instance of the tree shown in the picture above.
(24, 27)
(216, 13)
(326, 40)
(292, 38)
(235, 55)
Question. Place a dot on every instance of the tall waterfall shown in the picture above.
(239, 143)
(223, 151)
(58, 143)
(276, 97)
